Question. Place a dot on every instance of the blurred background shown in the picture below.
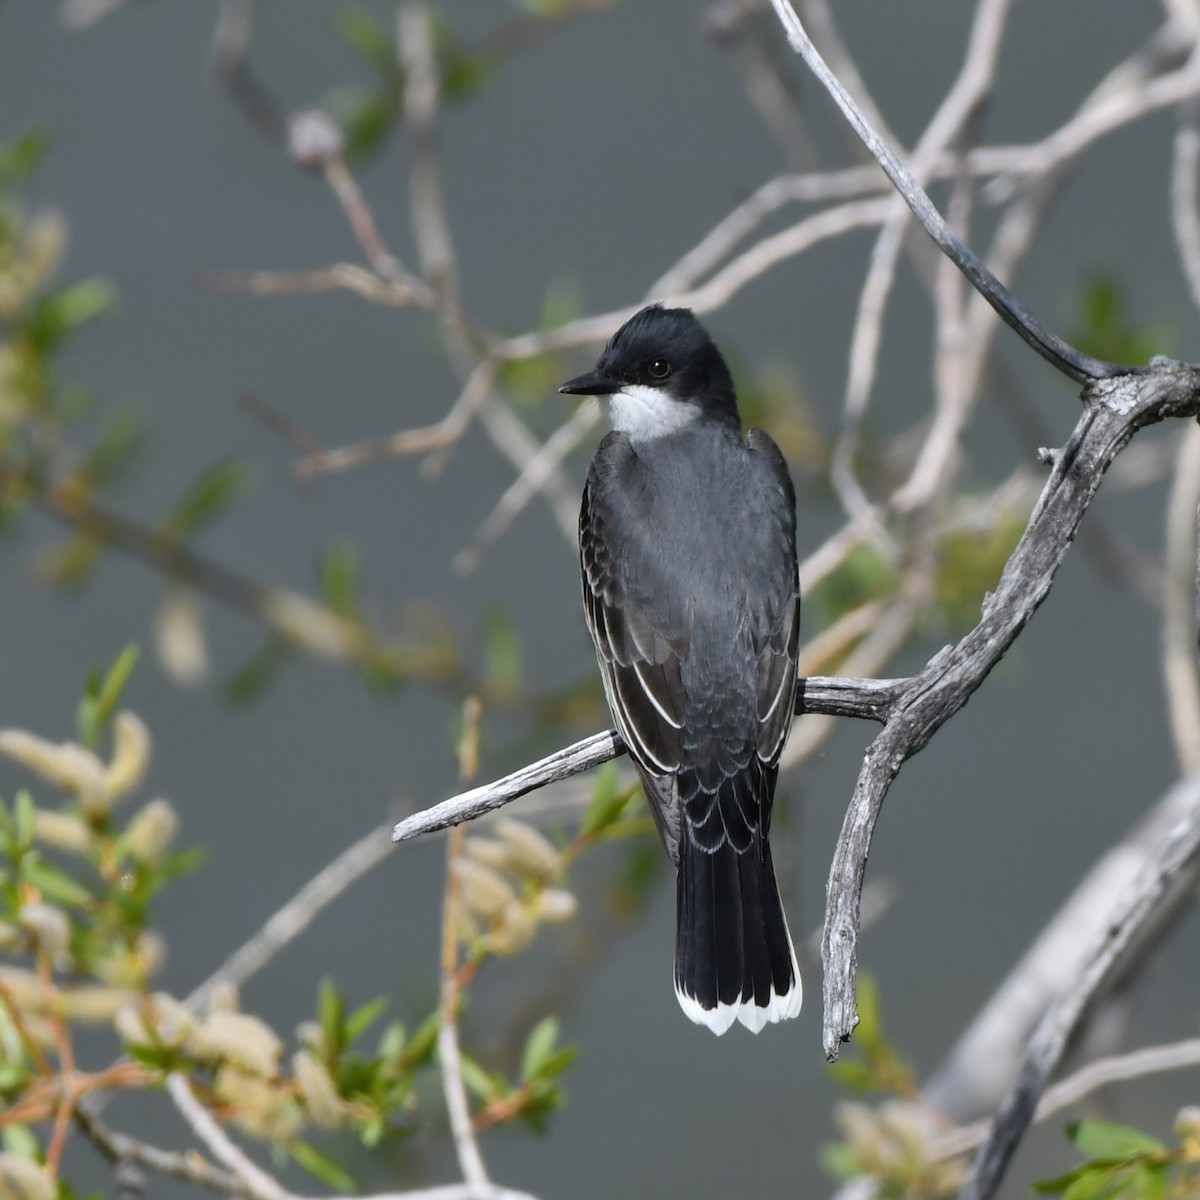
(576, 170)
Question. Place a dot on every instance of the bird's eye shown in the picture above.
(660, 368)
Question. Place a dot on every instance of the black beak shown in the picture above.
(594, 383)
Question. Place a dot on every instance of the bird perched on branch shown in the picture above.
(687, 546)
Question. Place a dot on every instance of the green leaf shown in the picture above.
(367, 118)
(54, 884)
(1106, 330)
(101, 696)
(870, 1022)
(367, 37)
(391, 1044)
(58, 314)
(255, 675)
(477, 1079)
(110, 458)
(1106, 1139)
(360, 1020)
(422, 1043)
(18, 1139)
(606, 803)
(322, 1168)
(205, 500)
(502, 652)
(853, 1075)
(539, 1045)
(1102, 1183)
(24, 812)
(556, 1063)
(18, 161)
(337, 578)
(840, 1160)
(331, 1012)
(110, 690)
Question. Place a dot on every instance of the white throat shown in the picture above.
(643, 413)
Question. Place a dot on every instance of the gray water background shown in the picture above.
(598, 159)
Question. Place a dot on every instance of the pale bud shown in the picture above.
(1187, 1123)
(50, 929)
(131, 966)
(484, 890)
(861, 1128)
(25, 988)
(179, 638)
(164, 1020)
(258, 1107)
(910, 1127)
(556, 905)
(173, 1020)
(151, 831)
(130, 1024)
(93, 1003)
(311, 1036)
(514, 932)
(223, 997)
(45, 243)
(131, 754)
(530, 849)
(317, 1088)
(314, 139)
(11, 938)
(23, 1179)
(243, 1040)
(489, 852)
(63, 831)
(68, 765)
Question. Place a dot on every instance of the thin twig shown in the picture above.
(1102, 1073)
(1082, 368)
(941, 689)
(470, 1161)
(1181, 673)
(422, 91)
(120, 1148)
(257, 1184)
(1135, 909)
(297, 914)
(439, 435)
(527, 485)
(966, 95)
(867, 698)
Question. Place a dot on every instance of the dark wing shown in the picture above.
(776, 621)
(639, 641)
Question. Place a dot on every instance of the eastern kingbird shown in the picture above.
(687, 541)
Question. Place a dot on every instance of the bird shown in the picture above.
(687, 538)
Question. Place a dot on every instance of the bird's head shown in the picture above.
(660, 373)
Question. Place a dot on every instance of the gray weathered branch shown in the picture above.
(870, 699)
(1137, 908)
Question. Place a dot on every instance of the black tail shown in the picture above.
(733, 954)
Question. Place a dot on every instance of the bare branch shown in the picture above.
(437, 436)
(120, 1148)
(527, 484)
(1181, 672)
(422, 91)
(964, 99)
(1066, 358)
(1136, 908)
(297, 914)
(980, 1068)
(255, 1182)
(867, 698)
(1102, 1073)
(1116, 409)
